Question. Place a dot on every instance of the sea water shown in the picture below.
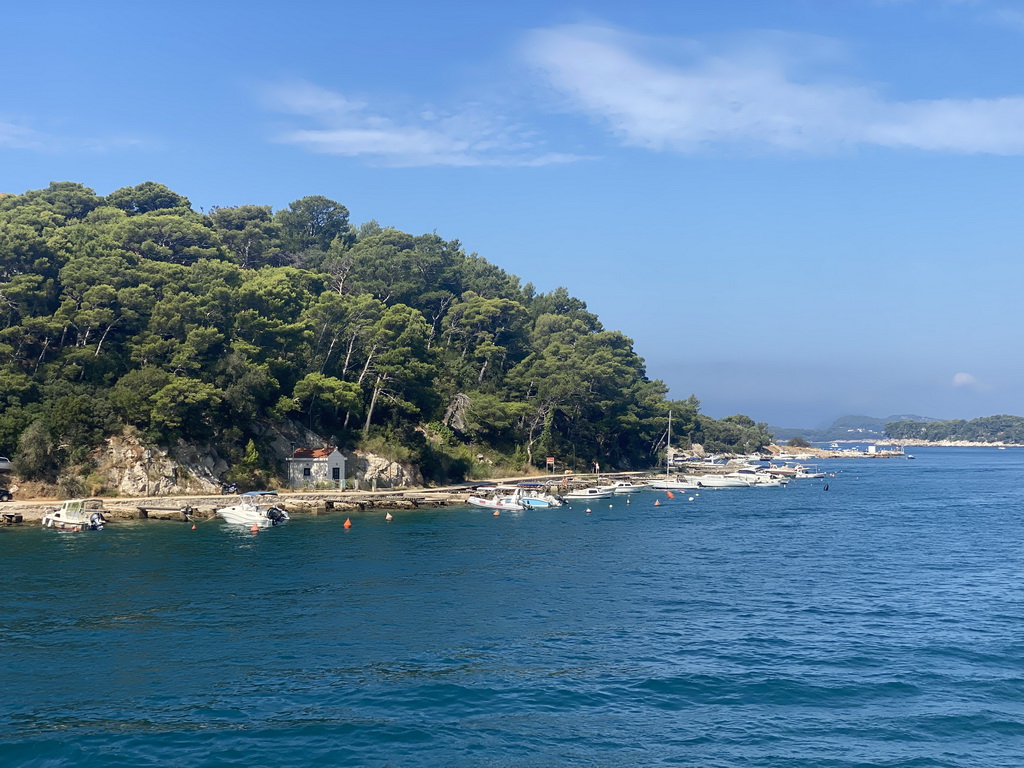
(876, 623)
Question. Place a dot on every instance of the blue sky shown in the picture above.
(797, 209)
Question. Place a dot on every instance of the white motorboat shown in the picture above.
(257, 508)
(805, 473)
(497, 497)
(731, 480)
(671, 484)
(759, 477)
(535, 496)
(496, 502)
(624, 486)
(589, 493)
(76, 515)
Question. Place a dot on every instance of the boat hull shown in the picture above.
(485, 503)
(239, 515)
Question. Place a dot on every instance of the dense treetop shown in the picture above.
(988, 429)
(135, 311)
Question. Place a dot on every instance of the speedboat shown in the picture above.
(512, 501)
(536, 496)
(76, 515)
(498, 497)
(254, 508)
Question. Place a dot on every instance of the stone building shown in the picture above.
(316, 467)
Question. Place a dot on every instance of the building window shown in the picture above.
(307, 471)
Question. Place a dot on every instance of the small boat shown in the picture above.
(254, 508)
(720, 481)
(535, 496)
(76, 515)
(589, 493)
(624, 486)
(671, 484)
(496, 502)
(497, 497)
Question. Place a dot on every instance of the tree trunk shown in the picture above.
(373, 402)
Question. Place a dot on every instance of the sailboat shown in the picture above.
(670, 483)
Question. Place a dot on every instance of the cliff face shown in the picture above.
(125, 466)
(128, 467)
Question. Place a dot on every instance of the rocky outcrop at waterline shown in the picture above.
(125, 466)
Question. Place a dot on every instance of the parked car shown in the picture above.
(5, 495)
(5, 463)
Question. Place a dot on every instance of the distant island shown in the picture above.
(855, 427)
(1002, 429)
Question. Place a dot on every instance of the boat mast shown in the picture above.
(668, 444)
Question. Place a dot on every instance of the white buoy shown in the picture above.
(691, 498)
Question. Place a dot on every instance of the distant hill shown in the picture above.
(846, 428)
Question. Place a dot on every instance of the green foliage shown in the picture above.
(134, 311)
(988, 429)
(798, 442)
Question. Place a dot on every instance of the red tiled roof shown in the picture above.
(312, 453)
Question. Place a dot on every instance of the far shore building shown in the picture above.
(316, 468)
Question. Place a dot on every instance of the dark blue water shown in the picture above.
(878, 623)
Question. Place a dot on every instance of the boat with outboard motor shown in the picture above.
(259, 508)
(536, 496)
(497, 497)
(76, 515)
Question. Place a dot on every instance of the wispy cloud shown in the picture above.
(765, 95)
(469, 137)
(21, 135)
(14, 135)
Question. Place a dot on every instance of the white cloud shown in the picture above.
(680, 96)
(967, 380)
(471, 137)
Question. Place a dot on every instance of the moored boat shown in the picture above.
(76, 515)
(624, 486)
(257, 508)
(497, 497)
(720, 481)
(589, 493)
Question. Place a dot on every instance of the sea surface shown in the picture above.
(876, 623)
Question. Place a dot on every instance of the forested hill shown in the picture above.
(135, 312)
(988, 429)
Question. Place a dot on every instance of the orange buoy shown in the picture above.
(193, 526)
(670, 494)
(497, 513)
(348, 522)
(255, 528)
